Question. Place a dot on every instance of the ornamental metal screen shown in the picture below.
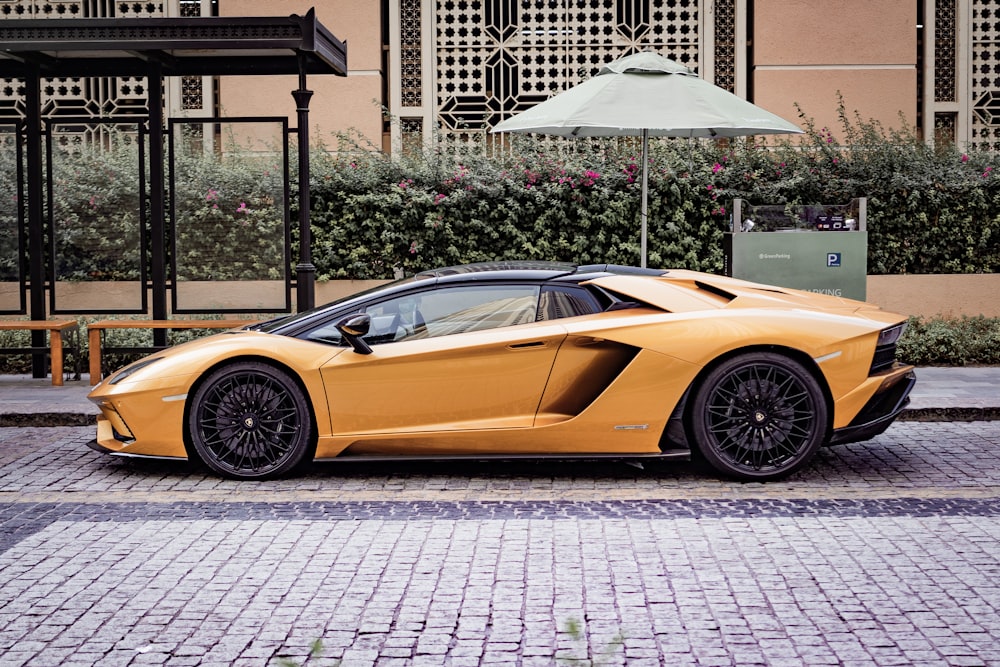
(495, 58)
(985, 79)
(105, 97)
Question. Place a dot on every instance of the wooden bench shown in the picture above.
(95, 336)
(59, 332)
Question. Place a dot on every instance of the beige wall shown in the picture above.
(806, 51)
(928, 295)
(339, 103)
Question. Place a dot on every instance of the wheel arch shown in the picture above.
(682, 410)
(285, 368)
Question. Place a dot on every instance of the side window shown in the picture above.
(563, 301)
(477, 308)
(443, 312)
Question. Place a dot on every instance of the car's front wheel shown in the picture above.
(250, 420)
(758, 416)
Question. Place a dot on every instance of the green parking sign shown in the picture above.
(834, 263)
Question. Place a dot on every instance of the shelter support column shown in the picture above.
(157, 184)
(36, 214)
(305, 271)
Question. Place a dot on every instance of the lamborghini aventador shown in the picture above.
(523, 360)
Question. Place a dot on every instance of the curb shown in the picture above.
(950, 414)
(41, 419)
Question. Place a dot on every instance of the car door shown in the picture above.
(459, 358)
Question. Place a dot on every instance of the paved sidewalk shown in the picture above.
(881, 553)
(941, 394)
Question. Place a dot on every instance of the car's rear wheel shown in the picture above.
(758, 416)
(249, 420)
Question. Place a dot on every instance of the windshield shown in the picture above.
(281, 322)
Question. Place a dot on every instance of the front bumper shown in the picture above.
(110, 440)
(880, 411)
(140, 422)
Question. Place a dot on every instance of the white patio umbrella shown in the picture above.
(646, 95)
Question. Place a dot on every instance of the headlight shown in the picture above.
(129, 370)
(891, 335)
(885, 349)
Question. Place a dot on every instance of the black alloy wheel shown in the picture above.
(759, 416)
(250, 420)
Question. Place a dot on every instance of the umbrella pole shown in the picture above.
(645, 194)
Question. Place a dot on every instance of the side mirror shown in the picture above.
(352, 328)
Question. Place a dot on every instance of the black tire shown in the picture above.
(758, 417)
(249, 420)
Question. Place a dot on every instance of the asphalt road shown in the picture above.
(881, 553)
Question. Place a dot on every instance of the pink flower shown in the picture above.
(212, 194)
(716, 168)
(965, 158)
(243, 208)
(413, 248)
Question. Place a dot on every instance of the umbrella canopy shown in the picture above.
(646, 95)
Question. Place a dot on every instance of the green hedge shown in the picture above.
(939, 341)
(929, 210)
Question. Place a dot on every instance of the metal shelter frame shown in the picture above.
(154, 48)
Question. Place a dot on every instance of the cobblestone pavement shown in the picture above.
(881, 553)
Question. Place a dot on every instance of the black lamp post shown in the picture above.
(305, 271)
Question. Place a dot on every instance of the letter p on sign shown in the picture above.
(833, 259)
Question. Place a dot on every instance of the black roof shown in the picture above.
(533, 269)
(196, 46)
(536, 269)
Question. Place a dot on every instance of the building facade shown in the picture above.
(422, 67)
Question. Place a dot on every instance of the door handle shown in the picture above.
(526, 346)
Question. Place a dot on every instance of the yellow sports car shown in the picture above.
(523, 360)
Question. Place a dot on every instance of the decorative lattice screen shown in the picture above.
(985, 73)
(91, 97)
(496, 58)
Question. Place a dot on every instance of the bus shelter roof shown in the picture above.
(196, 46)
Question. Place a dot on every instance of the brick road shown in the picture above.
(881, 553)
